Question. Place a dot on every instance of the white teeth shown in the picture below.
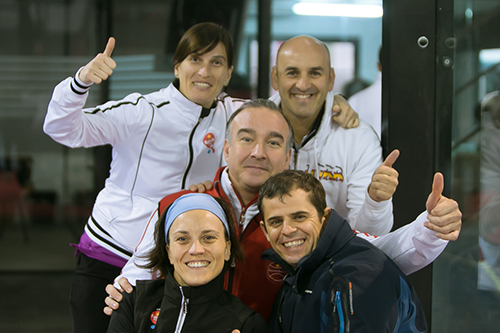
(202, 84)
(294, 243)
(197, 264)
(302, 96)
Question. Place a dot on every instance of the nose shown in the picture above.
(288, 228)
(258, 151)
(303, 83)
(204, 71)
(196, 248)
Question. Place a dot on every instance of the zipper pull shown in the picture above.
(185, 305)
(242, 216)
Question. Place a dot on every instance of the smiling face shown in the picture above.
(257, 149)
(197, 247)
(303, 77)
(202, 76)
(292, 225)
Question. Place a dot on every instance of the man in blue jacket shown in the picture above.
(336, 282)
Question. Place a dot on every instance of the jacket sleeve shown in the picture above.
(365, 156)
(122, 320)
(411, 247)
(68, 123)
(132, 270)
(382, 301)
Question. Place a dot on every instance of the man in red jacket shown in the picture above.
(258, 142)
(258, 146)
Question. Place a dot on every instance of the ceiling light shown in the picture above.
(328, 9)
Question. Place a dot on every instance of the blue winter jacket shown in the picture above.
(345, 285)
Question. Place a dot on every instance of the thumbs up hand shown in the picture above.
(384, 179)
(444, 216)
(101, 67)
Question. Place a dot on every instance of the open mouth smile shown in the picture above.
(293, 243)
(197, 264)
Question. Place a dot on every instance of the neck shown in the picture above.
(301, 126)
(245, 193)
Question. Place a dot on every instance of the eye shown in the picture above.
(275, 222)
(291, 73)
(210, 238)
(194, 58)
(275, 143)
(300, 217)
(181, 239)
(218, 63)
(316, 74)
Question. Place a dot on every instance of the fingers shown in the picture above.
(343, 114)
(436, 194)
(101, 67)
(445, 219)
(384, 184)
(113, 293)
(393, 156)
(201, 187)
(208, 184)
(385, 179)
(123, 282)
(109, 47)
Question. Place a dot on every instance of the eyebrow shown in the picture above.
(277, 135)
(246, 130)
(217, 56)
(293, 214)
(317, 68)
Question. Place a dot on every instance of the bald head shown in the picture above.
(306, 44)
(303, 76)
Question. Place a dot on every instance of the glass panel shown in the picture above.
(466, 291)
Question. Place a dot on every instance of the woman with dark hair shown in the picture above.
(195, 243)
(162, 142)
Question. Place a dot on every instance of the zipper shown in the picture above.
(337, 306)
(191, 153)
(182, 313)
(242, 216)
(204, 113)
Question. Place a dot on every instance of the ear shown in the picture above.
(326, 215)
(288, 157)
(229, 73)
(274, 76)
(169, 255)
(176, 69)
(226, 150)
(227, 251)
(332, 79)
(264, 230)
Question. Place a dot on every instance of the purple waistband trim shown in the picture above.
(93, 250)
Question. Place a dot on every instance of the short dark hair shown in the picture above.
(202, 38)
(157, 258)
(260, 103)
(285, 182)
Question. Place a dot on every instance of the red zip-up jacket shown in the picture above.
(256, 282)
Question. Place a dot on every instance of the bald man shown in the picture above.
(348, 163)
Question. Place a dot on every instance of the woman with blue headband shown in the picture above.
(195, 243)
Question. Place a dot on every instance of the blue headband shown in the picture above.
(194, 201)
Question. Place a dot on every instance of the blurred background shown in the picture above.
(441, 81)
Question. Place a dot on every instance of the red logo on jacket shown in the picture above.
(209, 141)
(275, 272)
(154, 316)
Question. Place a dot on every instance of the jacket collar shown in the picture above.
(196, 295)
